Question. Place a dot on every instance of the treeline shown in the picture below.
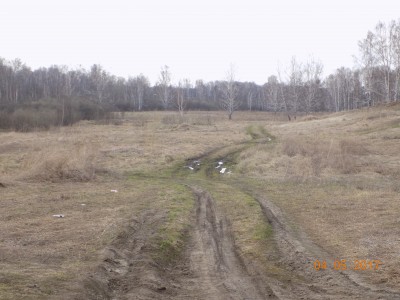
(61, 96)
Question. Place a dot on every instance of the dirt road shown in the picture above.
(211, 267)
(216, 271)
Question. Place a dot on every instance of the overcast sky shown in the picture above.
(197, 39)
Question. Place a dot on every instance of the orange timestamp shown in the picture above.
(342, 264)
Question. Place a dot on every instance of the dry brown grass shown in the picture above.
(55, 172)
(335, 176)
(75, 162)
(342, 155)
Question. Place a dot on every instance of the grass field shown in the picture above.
(335, 177)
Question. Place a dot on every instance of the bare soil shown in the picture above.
(298, 253)
(208, 269)
(211, 267)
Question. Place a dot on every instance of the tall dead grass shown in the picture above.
(74, 163)
(340, 155)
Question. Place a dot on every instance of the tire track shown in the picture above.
(216, 270)
(298, 254)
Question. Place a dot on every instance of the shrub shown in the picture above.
(59, 164)
(27, 119)
(45, 113)
(343, 155)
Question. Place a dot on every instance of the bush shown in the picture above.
(49, 112)
(343, 155)
(5, 120)
(27, 119)
(76, 163)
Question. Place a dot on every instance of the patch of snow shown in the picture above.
(58, 216)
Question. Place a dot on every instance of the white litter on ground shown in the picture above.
(222, 170)
(58, 216)
(220, 162)
(191, 168)
(219, 166)
(113, 191)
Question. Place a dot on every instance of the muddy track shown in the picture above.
(128, 270)
(298, 253)
(212, 268)
(216, 270)
(209, 269)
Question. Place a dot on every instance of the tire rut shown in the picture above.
(217, 272)
(299, 253)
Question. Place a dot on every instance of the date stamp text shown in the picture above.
(343, 264)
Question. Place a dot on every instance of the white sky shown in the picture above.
(198, 39)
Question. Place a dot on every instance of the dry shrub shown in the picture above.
(75, 163)
(202, 120)
(140, 120)
(309, 118)
(342, 155)
(173, 119)
(377, 115)
(176, 119)
(295, 146)
(352, 147)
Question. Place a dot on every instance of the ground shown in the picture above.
(147, 213)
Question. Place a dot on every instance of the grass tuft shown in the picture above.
(76, 163)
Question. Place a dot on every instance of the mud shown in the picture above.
(216, 272)
(298, 254)
(129, 270)
(210, 266)
(209, 269)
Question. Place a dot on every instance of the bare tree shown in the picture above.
(312, 73)
(229, 93)
(180, 98)
(383, 51)
(187, 85)
(272, 89)
(141, 83)
(99, 78)
(295, 82)
(380, 61)
(164, 86)
(282, 92)
(396, 59)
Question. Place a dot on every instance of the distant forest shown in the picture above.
(58, 95)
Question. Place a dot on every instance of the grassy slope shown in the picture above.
(337, 178)
(334, 176)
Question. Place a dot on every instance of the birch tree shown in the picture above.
(312, 73)
(230, 91)
(164, 86)
(295, 83)
(180, 98)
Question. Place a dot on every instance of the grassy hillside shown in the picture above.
(336, 177)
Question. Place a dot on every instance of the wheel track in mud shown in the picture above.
(214, 270)
(217, 272)
(299, 253)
